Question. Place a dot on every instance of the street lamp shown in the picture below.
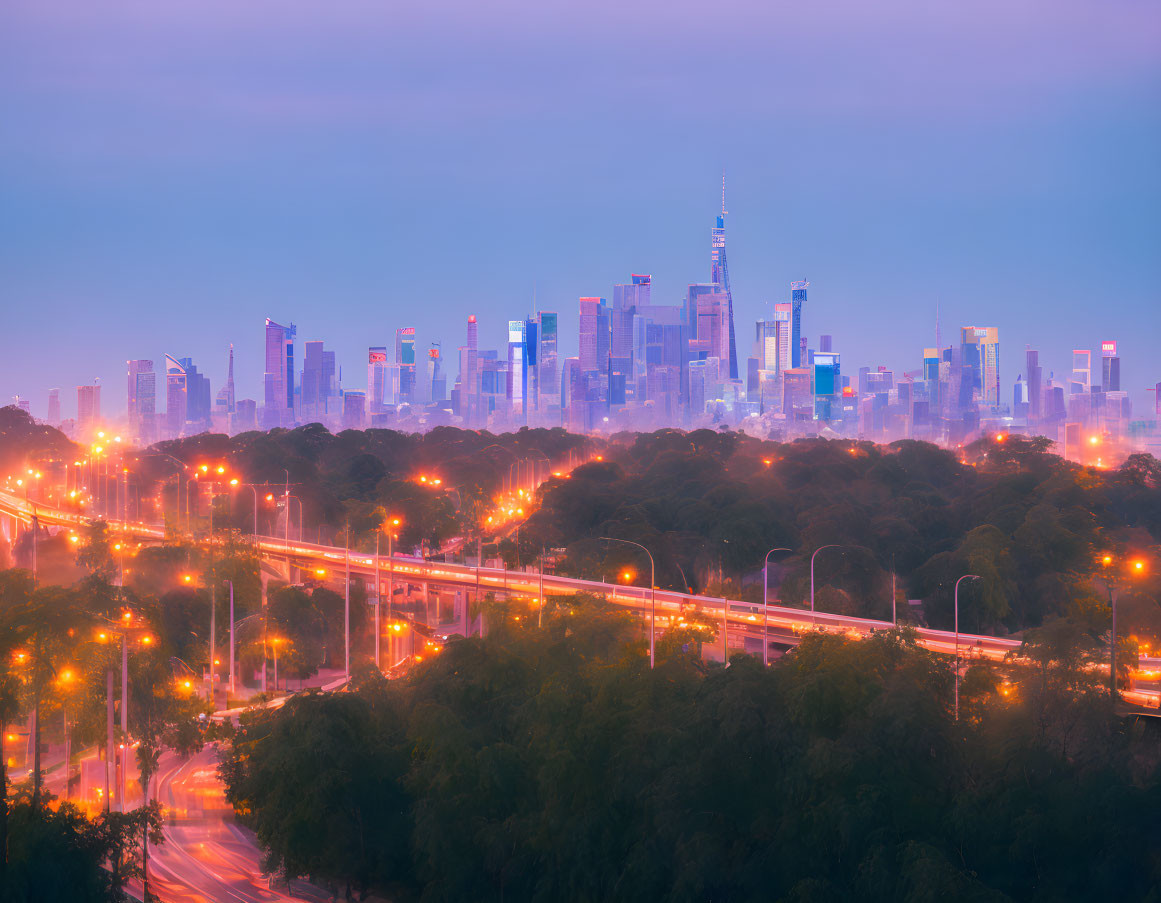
(816, 551)
(766, 604)
(957, 583)
(1137, 566)
(653, 595)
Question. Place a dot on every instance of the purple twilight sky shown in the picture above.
(173, 172)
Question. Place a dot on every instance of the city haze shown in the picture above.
(176, 175)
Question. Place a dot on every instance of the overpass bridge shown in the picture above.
(744, 626)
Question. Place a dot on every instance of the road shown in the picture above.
(744, 619)
(207, 857)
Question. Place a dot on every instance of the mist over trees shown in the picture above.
(552, 764)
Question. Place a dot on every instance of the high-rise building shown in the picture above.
(469, 378)
(516, 384)
(980, 346)
(354, 410)
(720, 274)
(245, 415)
(317, 381)
(713, 332)
(547, 363)
(226, 401)
(405, 361)
(436, 381)
(1110, 367)
(278, 379)
(595, 335)
(1035, 385)
(1081, 380)
(198, 411)
(378, 385)
(88, 408)
(53, 407)
(797, 300)
(176, 396)
(142, 400)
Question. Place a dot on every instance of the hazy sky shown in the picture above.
(171, 173)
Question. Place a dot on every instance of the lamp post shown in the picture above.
(812, 557)
(766, 604)
(1136, 567)
(346, 599)
(653, 596)
(957, 583)
(231, 582)
(378, 601)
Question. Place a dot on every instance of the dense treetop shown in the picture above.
(552, 764)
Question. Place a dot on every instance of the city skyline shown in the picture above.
(339, 196)
(281, 340)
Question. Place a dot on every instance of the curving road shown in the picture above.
(207, 857)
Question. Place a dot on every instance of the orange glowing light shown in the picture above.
(321, 572)
(1138, 565)
(66, 675)
(126, 616)
(187, 685)
(147, 640)
(187, 578)
(117, 547)
(101, 636)
(234, 481)
(423, 479)
(269, 496)
(221, 469)
(395, 522)
(205, 468)
(1000, 437)
(600, 457)
(74, 538)
(626, 576)
(437, 481)
(1094, 440)
(1108, 559)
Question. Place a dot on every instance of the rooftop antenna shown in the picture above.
(723, 192)
(938, 346)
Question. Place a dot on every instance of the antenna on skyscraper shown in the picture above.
(723, 192)
(938, 346)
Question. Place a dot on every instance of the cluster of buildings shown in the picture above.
(643, 365)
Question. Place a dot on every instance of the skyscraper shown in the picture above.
(229, 387)
(175, 396)
(980, 346)
(1081, 372)
(88, 408)
(797, 299)
(1035, 384)
(595, 335)
(437, 383)
(547, 363)
(278, 380)
(720, 274)
(377, 382)
(54, 407)
(318, 389)
(142, 399)
(1110, 367)
(517, 382)
(405, 361)
(198, 409)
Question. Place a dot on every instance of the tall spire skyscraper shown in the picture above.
(230, 382)
(720, 273)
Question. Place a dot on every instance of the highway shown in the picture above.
(744, 619)
(207, 857)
